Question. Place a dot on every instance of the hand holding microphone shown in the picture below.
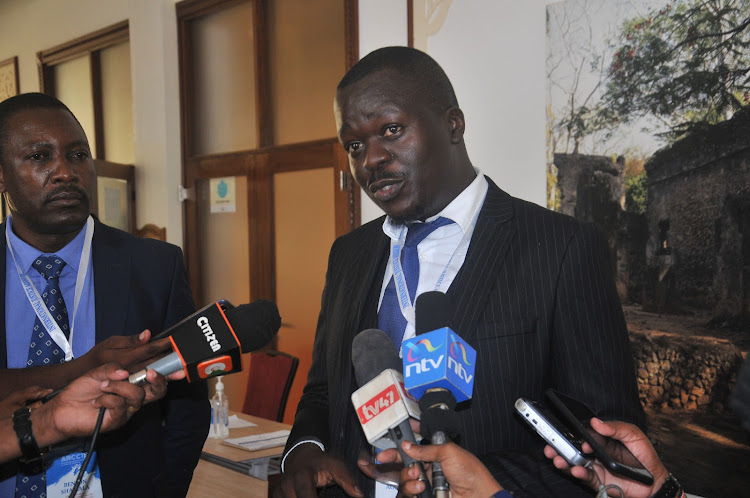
(205, 344)
(469, 478)
(439, 371)
(382, 404)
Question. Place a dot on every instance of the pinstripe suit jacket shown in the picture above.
(535, 297)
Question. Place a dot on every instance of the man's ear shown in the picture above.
(457, 124)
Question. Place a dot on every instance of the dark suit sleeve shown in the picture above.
(591, 353)
(311, 419)
(186, 407)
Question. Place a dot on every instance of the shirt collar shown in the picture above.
(461, 210)
(26, 254)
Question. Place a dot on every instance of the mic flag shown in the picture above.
(439, 358)
(219, 352)
(382, 401)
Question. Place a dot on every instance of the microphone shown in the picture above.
(209, 342)
(438, 382)
(437, 358)
(382, 403)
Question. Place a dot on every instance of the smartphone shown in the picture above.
(557, 435)
(610, 452)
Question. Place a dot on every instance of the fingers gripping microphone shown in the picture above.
(210, 341)
(439, 368)
(382, 403)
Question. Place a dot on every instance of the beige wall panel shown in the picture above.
(73, 88)
(117, 103)
(224, 81)
(225, 258)
(304, 225)
(224, 247)
(306, 62)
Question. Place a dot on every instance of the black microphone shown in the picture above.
(439, 423)
(382, 404)
(209, 342)
(433, 311)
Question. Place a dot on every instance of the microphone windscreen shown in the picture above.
(372, 352)
(438, 414)
(254, 323)
(433, 310)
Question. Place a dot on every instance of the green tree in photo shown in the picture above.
(687, 65)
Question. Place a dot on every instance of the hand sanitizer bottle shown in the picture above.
(219, 413)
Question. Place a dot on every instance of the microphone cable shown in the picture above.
(90, 451)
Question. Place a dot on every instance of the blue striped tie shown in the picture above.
(390, 319)
(31, 483)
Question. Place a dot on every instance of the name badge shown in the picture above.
(62, 474)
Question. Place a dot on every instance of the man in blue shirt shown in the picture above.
(101, 287)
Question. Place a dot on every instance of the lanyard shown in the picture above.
(402, 292)
(35, 299)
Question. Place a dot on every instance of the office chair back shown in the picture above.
(268, 385)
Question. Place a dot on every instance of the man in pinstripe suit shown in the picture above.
(532, 289)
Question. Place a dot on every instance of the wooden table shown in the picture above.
(223, 470)
(211, 480)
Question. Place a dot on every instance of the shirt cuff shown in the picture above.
(313, 441)
(502, 494)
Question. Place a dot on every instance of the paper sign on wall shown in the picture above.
(222, 195)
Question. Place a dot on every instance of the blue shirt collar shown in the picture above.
(26, 254)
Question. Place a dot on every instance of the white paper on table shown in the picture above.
(259, 441)
(236, 422)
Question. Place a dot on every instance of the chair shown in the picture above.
(268, 385)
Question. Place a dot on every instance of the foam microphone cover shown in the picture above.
(439, 414)
(372, 352)
(254, 323)
(433, 311)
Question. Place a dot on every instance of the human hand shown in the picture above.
(597, 475)
(20, 399)
(74, 411)
(133, 352)
(467, 476)
(156, 384)
(307, 467)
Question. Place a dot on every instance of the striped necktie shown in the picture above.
(390, 319)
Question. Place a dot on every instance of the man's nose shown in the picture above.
(377, 155)
(63, 170)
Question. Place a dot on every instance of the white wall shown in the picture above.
(493, 51)
(30, 26)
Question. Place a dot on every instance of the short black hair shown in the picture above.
(25, 101)
(414, 65)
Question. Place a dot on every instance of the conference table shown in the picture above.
(225, 470)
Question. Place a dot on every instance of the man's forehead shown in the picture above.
(41, 124)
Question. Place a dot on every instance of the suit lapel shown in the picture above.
(111, 283)
(367, 314)
(489, 244)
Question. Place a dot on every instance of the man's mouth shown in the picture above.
(386, 189)
(69, 197)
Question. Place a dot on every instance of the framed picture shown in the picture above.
(113, 199)
(8, 78)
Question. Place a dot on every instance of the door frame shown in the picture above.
(258, 165)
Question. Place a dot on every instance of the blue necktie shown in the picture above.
(31, 482)
(390, 319)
